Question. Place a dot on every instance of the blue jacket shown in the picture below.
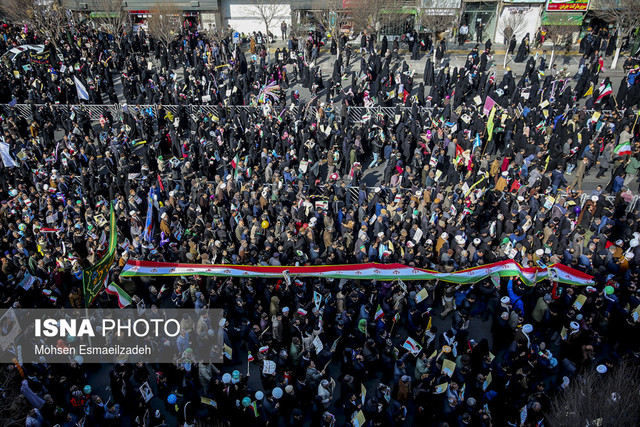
(516, 300)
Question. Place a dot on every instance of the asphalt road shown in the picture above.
(456, 58)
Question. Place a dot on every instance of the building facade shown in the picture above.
(203, 12)
(486, 19)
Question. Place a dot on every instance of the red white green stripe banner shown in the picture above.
(560, 273)
(623, 149)
(124, 299)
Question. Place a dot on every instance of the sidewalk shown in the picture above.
(452, 48)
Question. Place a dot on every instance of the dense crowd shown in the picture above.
(463, 183)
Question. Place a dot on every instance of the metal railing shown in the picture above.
(355, 114)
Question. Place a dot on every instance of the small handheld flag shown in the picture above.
(82, 91)
(623, 149)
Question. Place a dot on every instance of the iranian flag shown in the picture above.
(379, 313)
(604, 92)
(380, 272)
(50, 230)
(459, 152)
(623, 149)
(254, 406)
(250, 357)
(123, 298)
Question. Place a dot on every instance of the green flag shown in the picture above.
(95, 277)
(490, 123)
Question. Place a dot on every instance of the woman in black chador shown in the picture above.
(523, 49)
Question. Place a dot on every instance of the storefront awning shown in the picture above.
(402, 11)
(562, 18)
(439, 12)
(104, 14)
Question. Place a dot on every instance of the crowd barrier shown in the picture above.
(355, 114)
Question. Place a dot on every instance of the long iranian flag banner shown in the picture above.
(559, 273)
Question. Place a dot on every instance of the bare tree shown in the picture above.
(625, 14)
(269, 11)
(164, 22)
(332, 18)
(514, 23)
(437, 22)
(594, 399)
(111, 17)
(47, 18)
(373, 15)
(14, 407)
(559, 35)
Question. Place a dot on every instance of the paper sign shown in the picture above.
(441, 388)
(50, 219)
(548, 204)
(477, 100)
(486, 383)
(100, 220)
(304, 164)
(317, 299)
(563, 333)
(417, 235)
(10, 329)
(146, 391)
(287, 277)
(402, 285)
(596, 116)
(579, 302)
(359, 420)
(363, 392)
(421, 296)
(141, 308)
(448, 366)
(269, 367)
(207, 401)
(412, 345)
(227, 351)
(27, 282)
(544, 104)
(317, 343)
(488, 105)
